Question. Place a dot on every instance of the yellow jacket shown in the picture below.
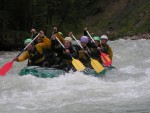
(40, 46)
(47, 42)
(60, 37)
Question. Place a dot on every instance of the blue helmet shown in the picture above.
(84, 39)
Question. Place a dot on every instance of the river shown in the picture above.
(122, 90)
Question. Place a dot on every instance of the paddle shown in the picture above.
(76, 63)
(94, 63)
(7, 66)
(105, 58)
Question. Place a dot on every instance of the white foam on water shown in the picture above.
(122, 90)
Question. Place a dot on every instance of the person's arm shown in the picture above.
(47, 41)
(54, 30)
(23, 56)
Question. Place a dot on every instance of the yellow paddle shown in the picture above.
(94, 63)
(75, 62)
(78, 65)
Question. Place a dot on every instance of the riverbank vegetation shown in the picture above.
(116, 18)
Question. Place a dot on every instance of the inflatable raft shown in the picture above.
(44, 72)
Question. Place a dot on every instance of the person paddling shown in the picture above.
(105, 47)
(48, 53)
(64, 54)
(83, 57)
(34, 53)
(95, 48)
(44, 39)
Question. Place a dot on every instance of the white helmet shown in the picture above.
(104, 37)
(68, 39)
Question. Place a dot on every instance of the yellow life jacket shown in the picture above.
(35, 57)
(82, 55)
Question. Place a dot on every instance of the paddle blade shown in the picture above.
(96, 66)
(6, 67)
(105, 58)
(78, 65)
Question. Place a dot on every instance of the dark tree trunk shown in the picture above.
(4, 25)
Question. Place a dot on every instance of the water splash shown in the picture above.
(125, 89)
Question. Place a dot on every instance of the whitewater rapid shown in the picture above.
(122, 90)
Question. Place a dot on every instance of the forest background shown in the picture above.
(116, 18)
